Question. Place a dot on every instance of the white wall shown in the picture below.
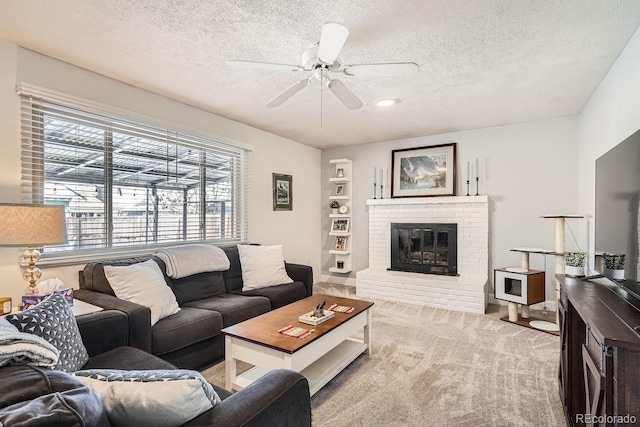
(527, 170)
(297, 230)
(610, 116)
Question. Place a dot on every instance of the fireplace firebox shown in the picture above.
(424, 248)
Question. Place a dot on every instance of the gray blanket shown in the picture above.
(19, 348)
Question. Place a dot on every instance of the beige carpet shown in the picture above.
(441, 368)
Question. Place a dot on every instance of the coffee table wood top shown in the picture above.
(263, 329)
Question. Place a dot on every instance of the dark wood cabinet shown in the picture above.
(599, 372)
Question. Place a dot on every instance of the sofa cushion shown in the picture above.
(184, 328)
(234, 308)
(36, 397)
(198, 286)
(262, 266)
(127, 358)
(280, 295)
(143, 283)
(150, 397)
(53, 320)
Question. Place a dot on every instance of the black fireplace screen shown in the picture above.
(424, 248)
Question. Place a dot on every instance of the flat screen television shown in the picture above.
(617, 213)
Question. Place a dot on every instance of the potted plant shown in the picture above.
(574, 263)
(334, 206)
(613, 265)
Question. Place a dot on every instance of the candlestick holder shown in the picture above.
(381, 191)
(477, 185)
(375, 190)
(468, 188)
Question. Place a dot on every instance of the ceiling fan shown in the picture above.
(322, 60)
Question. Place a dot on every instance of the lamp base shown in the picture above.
(32, 289)
(31, 256)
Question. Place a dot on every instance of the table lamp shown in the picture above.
(32, 225)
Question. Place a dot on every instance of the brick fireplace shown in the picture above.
(465, 291)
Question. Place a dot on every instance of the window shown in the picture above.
(128, 184)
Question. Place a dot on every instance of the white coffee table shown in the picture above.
(319, 357)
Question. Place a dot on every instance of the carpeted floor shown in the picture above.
(441, 368)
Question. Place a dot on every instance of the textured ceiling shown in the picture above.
(482, 63)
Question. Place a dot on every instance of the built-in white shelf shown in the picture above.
(339, 233)
(343, 181)
(339, 270)
(337, 252)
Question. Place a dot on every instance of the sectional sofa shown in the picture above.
(209, 302)
(35, 396)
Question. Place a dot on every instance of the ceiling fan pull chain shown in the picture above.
(321, 102)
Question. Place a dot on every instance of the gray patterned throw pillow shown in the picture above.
(53, 320)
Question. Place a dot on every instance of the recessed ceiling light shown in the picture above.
(387, 102)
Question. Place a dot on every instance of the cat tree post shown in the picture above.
(524, 263)
(559, 255)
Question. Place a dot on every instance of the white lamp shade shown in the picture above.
(32, 225)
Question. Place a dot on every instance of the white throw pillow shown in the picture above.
(262, 266)
(150, 398)
(143, 283)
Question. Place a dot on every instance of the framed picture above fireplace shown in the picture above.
(424, 171)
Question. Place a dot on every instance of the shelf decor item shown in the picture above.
(614, 265)
(340, 225)
(574, 263)
(310, 318)
(282, 192)
(424, 171)
(334, 207)
(341, 243)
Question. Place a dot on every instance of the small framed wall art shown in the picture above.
(341, 243)
(424, 171)
(340, 190)
(282, 192)
(340, 225)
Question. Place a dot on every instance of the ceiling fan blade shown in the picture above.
(288, 93)
(263, 65)
(331, 41)
(384, 69)
(344, 95)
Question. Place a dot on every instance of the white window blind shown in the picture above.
(125, 183)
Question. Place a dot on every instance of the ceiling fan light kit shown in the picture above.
(322, 60)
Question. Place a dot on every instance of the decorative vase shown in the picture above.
(571, 270)
(614, 274)
(334, 210)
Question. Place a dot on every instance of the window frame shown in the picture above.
(33, 175)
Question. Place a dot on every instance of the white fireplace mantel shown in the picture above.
(427, 200)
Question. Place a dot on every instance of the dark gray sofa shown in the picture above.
(209, 302)
(35, 396)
